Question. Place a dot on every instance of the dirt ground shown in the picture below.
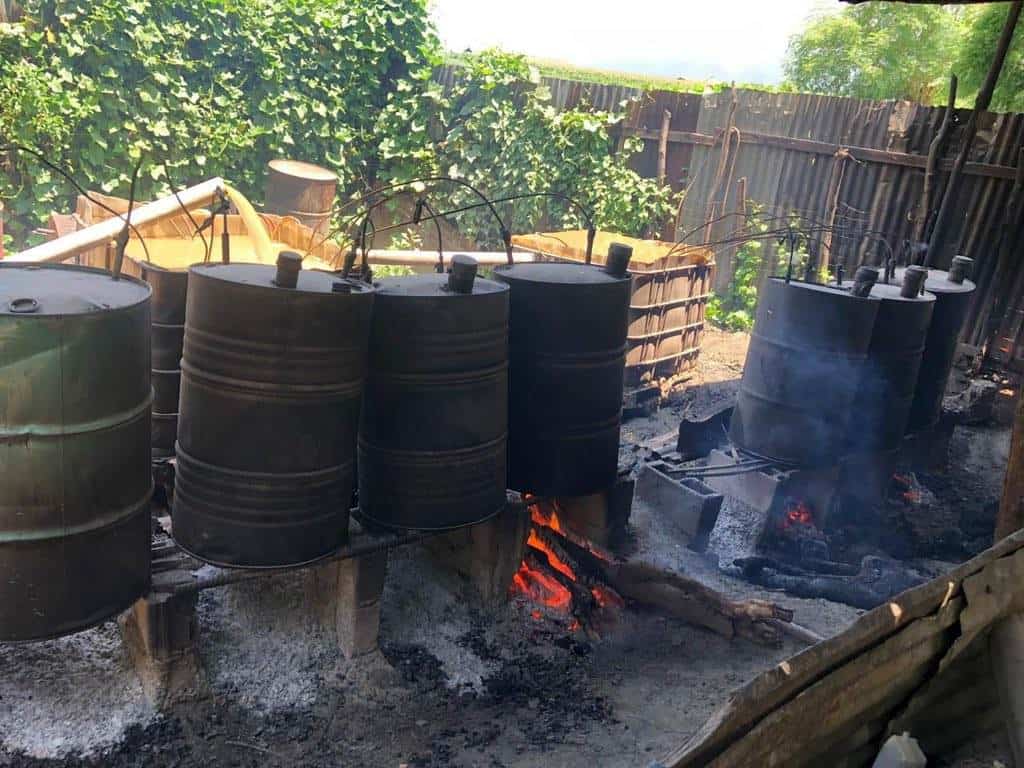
(453, 685)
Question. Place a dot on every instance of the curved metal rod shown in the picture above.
(437, 226)
(78, 187)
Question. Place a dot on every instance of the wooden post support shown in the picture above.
(346, 596)
(159, 633)
(1010, 517)
(488, 554)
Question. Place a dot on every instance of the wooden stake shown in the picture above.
(934, 152)
(981, 103)
(666, 123)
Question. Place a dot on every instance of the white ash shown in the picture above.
(425, 604)
(76, 694)
(260, 641)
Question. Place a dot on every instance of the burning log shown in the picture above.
(588, 583)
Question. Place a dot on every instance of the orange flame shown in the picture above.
(556, 562)
(541, 588)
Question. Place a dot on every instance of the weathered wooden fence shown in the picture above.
(854, 163)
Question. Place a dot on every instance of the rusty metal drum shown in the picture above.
(807, 355)
(272, 377)
(882, 407)
(433, 438)
(75, 478)
(303, 191)
(953, 293)
(170, 287)
(567, 343)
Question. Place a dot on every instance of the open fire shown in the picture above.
(555, 572)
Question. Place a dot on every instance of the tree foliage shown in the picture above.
(197, 88)
(876, 51)
(496, 128)
(982, 27)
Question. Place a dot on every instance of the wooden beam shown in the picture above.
(98, 235)
(863, 154)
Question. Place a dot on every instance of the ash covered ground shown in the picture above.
(453, 685)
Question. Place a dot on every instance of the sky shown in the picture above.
(742, 40)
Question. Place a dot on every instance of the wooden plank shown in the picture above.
(775, 687)
(867, 154)
(992, 594)
(794, 734)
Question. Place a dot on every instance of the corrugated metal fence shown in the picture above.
(853, 162)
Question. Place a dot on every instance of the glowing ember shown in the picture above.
(541, 588)
(556, 562)
(539, 585)
(606, 597)
(800, 514)
(545, 514)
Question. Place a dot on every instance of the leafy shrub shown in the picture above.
(197, 88)
(496, 129)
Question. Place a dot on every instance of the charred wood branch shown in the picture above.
(665, 591)
(695, 603)
(583, 602)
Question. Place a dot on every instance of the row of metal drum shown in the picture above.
(838, 370)
(442, 389)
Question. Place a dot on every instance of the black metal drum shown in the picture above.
(568, 351)
(432, 443)
(272, 377)
(75, 478)
(953, 293)
(168, 311)
(882, 407)
(803, 369)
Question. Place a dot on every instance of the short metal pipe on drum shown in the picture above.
(913, 281)
(863, 281)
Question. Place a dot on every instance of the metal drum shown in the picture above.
(953, 293)
(168, 311)
(303, 191)
(568, 351)
(882, 408)
(271, 380)
(75, 478)
(804, 365)
(433, 438)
